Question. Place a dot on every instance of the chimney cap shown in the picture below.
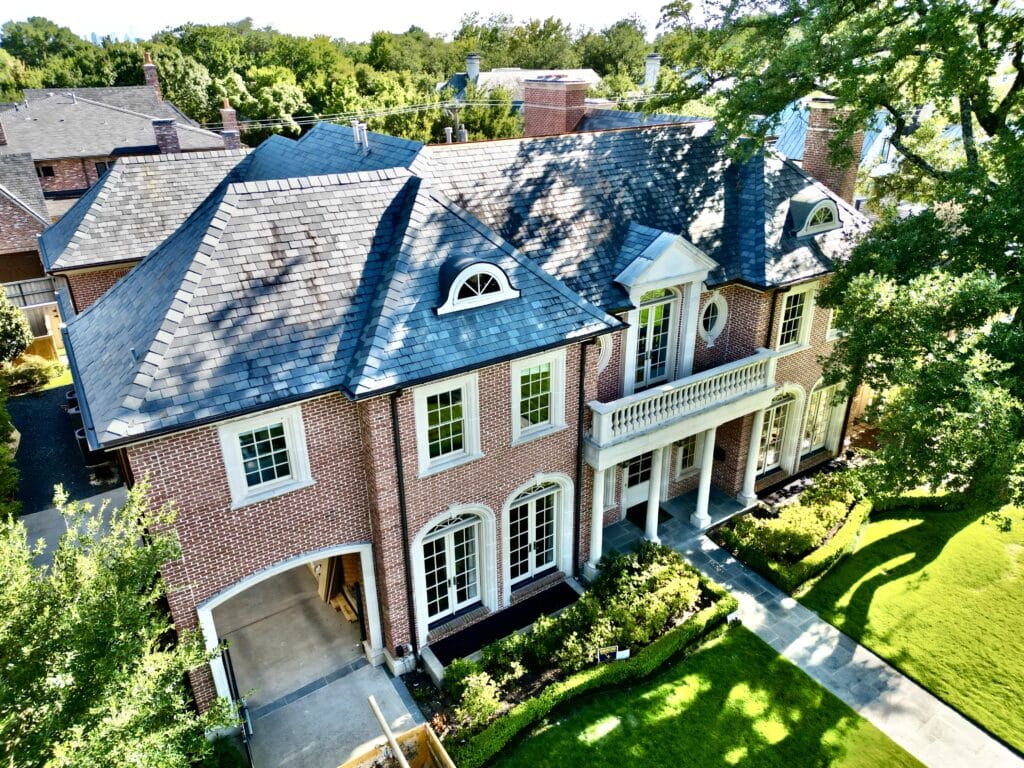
(654, 55)
(163, 121)
(473, 55)
(822, 101)
(148, 59)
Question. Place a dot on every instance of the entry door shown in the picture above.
(452, 572)
(637, 473)
(653, 338)
(532, 536)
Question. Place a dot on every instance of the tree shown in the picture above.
(545, 44)
(15, 333)
(618, 49)
(14, 76)
(931, 305)
(38, 39)
(89, 671)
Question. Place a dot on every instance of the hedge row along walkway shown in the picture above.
(927, 728)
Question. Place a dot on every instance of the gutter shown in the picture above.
(403, 516)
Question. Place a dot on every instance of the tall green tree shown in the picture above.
(89, 671)
(930, 305)
(619, 49)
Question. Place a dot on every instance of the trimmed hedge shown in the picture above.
(480, 748)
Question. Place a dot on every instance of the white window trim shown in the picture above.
(833, 421)
(298, 457)
(557, 407)
(454, 304)
(470, 413)
(816, 229)
(711, 336)
(563, 528)
(789, 445)
(605, 345)
(632, 333)
(806, 320)
(831, 332)
(680, 472)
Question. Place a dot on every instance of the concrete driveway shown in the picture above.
(49, 524)
(301, 667)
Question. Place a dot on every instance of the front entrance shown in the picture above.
(451, 567)
(636, 482)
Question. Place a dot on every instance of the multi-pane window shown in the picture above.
(821, 217)
(264, 455)
(654, 332)
(710, 319)
(819, 418)
(773, 433)
(535, 395)
(445, 423)
(638, 470)
(792, 318)
(686, 455)
(479, 284)
(451, 566)
(531, 533)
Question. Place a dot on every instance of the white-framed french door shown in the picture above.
(451, 565)
(655, 339)
(636, 481)
(533, 533)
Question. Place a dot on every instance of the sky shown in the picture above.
(350, 19)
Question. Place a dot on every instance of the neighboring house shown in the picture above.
(511, 79)
(449, 367)
(75, 134)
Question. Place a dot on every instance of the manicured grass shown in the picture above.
(734, 702)
(940, 595)
(58, 381)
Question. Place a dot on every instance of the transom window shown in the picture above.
(264, 455)
(451, 566)
(793, 310)
(820, 411)
(822, 218)
(638, 470)
(531, 533)
(477, 285)
(773, 432)
(654, 338)
(445, 423)
(686, 455)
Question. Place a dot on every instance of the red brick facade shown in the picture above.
(87, 285)
(553, 107)
(70, 174)
(19, 255)
(821, 129)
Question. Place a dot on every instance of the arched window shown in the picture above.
(823, 217)
(477, 285)
(712, 319)
(533, 532)
(451, 566)
(773, 433)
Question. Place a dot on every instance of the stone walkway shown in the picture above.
(928, 729)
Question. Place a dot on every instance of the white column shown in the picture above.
(596, 524)
(654, 496)
(688, 329)
(700, 518)
(747, 495)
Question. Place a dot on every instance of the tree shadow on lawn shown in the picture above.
(736, 701)
(912, 548)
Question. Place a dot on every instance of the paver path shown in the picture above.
(930, 730)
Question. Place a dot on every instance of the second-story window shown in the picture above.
(655, 336)
(538, 395)
(795, 321)
(447, 429)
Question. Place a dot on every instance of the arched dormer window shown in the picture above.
(824, 216)
(476, 285)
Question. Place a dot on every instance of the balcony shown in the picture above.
(655, 417)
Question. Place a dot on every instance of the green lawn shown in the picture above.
(940, 595)
(734, 702)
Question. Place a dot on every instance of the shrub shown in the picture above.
(479, 702)
(32, 372)
(455, 675)
(846, 486)
(795, 531)
(15, 333)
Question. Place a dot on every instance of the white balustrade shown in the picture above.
(637, 413)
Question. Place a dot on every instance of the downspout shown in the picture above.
(578, 487)
(403, 518)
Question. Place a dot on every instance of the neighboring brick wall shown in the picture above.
(87, 286)
(20, 266)
(553, 107)
(817, 160)
(73, 173)
(18, 231)
(221, 546)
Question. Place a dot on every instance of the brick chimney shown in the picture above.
(166, 131)
(473, 67)
(553, 106)
(232, 139)
(229, 126)
(821, 128)
(149, 72)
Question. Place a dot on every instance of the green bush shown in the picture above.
(15, 333)
(795, 531)
(32, 372)
(455, 675)
(482, 747)
(846, 486)
(480, 701)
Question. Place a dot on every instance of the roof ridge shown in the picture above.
(105, 187)
(163, 157)
(320, 181)
(103, 104)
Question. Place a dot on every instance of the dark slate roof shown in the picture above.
(18, 181)
(599, 118)
(133, 207)
(513, 80)
(134, 98)
(59, 126)
(279, 290)
(792, 132)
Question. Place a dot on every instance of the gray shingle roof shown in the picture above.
(58, 126)
(137, 204)
(134, 98)
(18, 180)
(283, 283)
(513, 80)
(605, 119)
(277, 290)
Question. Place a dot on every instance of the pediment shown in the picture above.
(668, 260)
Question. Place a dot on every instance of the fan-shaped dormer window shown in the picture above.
(477, 285)
(823, 217)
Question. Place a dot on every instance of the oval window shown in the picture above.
(710, 317)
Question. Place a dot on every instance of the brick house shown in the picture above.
(449, 367)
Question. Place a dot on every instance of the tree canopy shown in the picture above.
(930, 304)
